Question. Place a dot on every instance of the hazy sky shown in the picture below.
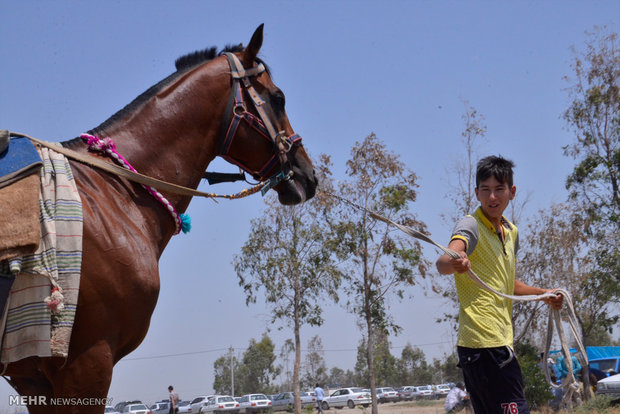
(401, 69)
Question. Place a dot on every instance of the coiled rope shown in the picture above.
(569, 383)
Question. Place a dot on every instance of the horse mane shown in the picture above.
(182, 64)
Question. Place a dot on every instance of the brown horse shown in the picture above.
(171, 132)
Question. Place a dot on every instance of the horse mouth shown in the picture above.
(295, 191)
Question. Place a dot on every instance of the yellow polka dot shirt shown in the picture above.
(485, 319)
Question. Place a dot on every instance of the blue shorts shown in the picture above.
(493, 380)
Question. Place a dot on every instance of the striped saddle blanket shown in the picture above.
(40, 311)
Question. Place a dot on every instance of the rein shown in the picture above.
(569, 384)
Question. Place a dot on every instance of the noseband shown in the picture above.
(237, 112)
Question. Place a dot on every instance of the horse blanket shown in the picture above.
(40, 311)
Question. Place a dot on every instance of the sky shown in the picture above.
(405, 70)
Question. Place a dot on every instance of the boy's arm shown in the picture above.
(522, 289)
(446, 265)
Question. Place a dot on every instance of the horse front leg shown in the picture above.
(35, 393)
(81, 385)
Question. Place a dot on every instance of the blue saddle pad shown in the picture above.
(18, 160)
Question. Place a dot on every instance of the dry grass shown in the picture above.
(436, 407)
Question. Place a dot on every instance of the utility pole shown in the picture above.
(232, 371)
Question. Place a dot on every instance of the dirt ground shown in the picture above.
(421, 407)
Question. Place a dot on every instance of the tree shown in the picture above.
(285, 352)
(339, 378)
(558, 254)
(378, 259)
(315, 369)
(462, 196)
(222, 369)
(593, 117)
(257, 370)
(289, 258)
(537, 391)
(412, 366)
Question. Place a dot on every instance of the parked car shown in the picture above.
(110, 410)
(347, 397)
(610, 387)
(220, 404)
(387, 394)
(162, 407)
(285, 401)
(198, 402)
(135, 409)
(185, 407)
(121, 405)
(441, 391)
(423, 392)
(405, 393)
(255, 403)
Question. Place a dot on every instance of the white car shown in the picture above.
(441, 391)
(285, 401)
(198, 402)
(135, 409)
(387, 394)
(221, 404)
(609, 386)
(184, 407)
(255, 403)
(423, 392)
(347, 397)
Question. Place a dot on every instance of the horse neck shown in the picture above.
(174, 135)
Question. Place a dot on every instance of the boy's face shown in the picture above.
(494, 197)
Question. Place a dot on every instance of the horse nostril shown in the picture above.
(316, 180)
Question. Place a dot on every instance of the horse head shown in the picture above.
(259, 138)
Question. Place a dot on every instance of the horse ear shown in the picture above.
(251, 51)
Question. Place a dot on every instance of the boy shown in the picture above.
(487, 243)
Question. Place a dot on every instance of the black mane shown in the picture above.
(200, 56)
(182, 64)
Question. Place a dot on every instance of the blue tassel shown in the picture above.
(186, 223)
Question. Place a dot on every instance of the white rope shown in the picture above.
(569, 383)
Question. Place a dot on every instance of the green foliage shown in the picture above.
(537, 390)
(599, 404)
(315, 370)
(254, 373)
(594, 184)
(222, 383)
(594, 118)
(257, 370)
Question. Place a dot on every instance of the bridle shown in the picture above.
(237, 112)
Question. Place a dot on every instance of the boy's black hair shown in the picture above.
(496, 166)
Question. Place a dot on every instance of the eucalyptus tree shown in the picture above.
(315, 369)
(593, 118)
(255, 371)
(379, 261)
(289, 261)
(412, 362)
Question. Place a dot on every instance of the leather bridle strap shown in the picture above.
(120, 171)
(236, 112)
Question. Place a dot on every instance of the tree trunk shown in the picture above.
(370, 331)
(297, 361)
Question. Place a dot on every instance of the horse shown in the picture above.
(171, 132)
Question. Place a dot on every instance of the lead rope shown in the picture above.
(569, 384)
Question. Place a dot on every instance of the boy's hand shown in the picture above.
(554, 302)
(461, 265)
